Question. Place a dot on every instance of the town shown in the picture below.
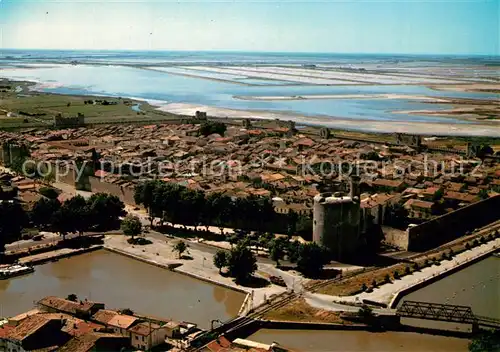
(312, 225)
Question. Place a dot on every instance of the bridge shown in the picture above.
(444, 312)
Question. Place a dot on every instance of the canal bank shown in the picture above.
(387, 293)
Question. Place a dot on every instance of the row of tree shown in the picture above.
(180, 205)
(100, 212)
(310, 258)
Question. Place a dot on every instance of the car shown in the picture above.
(277, 280)
(38, 238)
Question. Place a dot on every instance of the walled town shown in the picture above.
(352, 224)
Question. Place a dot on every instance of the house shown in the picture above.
(102, 342)
(455, 199)
(389, 185)
(34, 333)
(82, 309)
(420, 209)
(373, 208)
(120, 324)
(431, 193)
(147, 335)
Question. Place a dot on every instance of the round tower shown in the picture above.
(336, 221)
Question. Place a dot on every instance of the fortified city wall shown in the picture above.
(450, 226)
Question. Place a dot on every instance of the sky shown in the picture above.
(342, 26)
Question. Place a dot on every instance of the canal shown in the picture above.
(477, 286)
(357, 341)
(121, 282)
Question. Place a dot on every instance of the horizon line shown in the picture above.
(258, 51)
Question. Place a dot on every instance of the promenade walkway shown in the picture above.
(387, 293)
(200, 266)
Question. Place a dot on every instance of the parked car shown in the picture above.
(277, 280)
(38, 238)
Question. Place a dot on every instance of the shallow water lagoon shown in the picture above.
(171, 88)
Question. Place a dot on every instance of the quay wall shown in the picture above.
(299, 325)
(50, 256)
(400, 295)
(453, 225)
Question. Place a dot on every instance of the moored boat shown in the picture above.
(15, 270)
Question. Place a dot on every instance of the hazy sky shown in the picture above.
(397, 26)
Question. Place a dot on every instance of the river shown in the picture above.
(120, 282)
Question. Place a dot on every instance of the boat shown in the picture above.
(15, 270)
(496, 254)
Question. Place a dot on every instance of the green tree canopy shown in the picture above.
(221, 259)
(242, 262)
(42, 212)
(311, 259)
(210, 127)
(131, 226)
(180, 247)
(12, 219)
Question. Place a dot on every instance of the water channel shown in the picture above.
(121, 282)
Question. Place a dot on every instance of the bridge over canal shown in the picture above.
(445, 312)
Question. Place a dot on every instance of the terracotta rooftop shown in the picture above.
(85, 342)
(104, 315)
(122, 321)
(144, 329)
(66, 306)
(28, 327)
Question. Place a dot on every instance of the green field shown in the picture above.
(31, 109)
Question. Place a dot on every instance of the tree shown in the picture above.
(218, 210)
(77, 213)
(49, 192)
(12, 219)
(483, 194)
(366, 313)
(277, 249)
(484, 150)
(220, 260)
(180, 247)
(42, 212)
(291, 223)
(311, 259)
(131, 226)
(126, 311)
(72, 297)
(486, 342)
(210, 127)
(293, 250)
(242, 262)
(105, 211)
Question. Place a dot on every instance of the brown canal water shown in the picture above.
(477, 286)
(359, 341)
(121, 282)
